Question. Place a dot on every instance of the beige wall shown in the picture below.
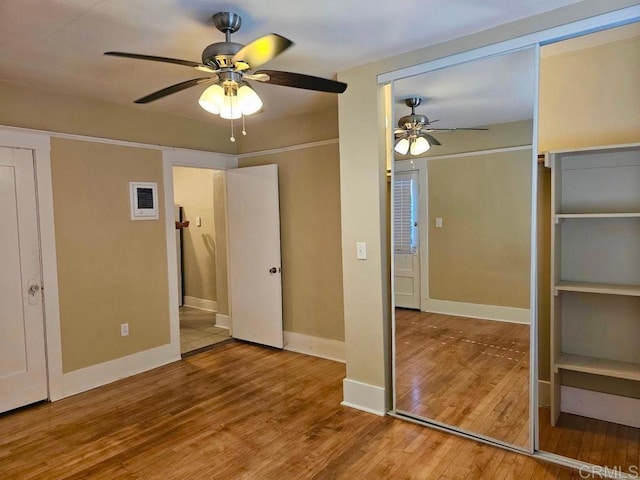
(111, 270)
(309, 182)
(588, 97)
(500, 135)
(39, 109)
(220, 228)
(363, 186)
(193, 190)
(294, 130)
(544, 271)
(482, 253)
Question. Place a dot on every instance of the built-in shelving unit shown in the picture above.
(595, 264)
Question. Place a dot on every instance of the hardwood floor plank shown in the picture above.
(237, 412)
(469, 373)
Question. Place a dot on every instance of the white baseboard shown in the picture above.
(363, 396)
(200, 303)
(97, 375)
(315, 346)
(475, 310)
(544, 393)
(603, 406)
(222, 321)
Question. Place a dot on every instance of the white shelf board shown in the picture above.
(604, 288)
(598, 366)
(560, 216)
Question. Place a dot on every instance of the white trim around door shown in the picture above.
(40, 144)
(183, 158)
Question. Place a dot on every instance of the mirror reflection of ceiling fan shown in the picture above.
(228, 65)
(413, 132)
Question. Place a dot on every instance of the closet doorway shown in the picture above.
(200, 216)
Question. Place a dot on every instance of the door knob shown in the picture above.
(34, 288)
(273, 270)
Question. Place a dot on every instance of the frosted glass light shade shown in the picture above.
(419, 146)
(248, 100)
(402, 147)
(245, 102)
(210, 98)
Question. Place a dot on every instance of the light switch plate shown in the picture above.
(361, 250)
(438, 222)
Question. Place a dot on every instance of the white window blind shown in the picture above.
(405, 218)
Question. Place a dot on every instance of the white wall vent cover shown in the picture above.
(144, 200)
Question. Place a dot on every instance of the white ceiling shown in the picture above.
(492, 90)
(58, 44)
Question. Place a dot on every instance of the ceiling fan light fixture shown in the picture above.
(230, 102)
(419, 146)
(402, 147)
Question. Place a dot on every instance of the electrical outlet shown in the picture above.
(124, 329)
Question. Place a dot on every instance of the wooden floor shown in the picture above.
(590, 440)
(469, 373)
(239, 411)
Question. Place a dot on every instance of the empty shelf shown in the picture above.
(604, 288)
(598, 366)
(559, 216)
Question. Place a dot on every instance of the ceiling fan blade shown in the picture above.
(186, 63)
(432, 140)
(176, 88)
(451, 129)
(308, 82)
(399, 131)
(260, 77)
(261, 50)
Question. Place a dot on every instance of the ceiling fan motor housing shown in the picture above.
(220, 54)
(413, 121)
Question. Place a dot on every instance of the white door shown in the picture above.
(255, 283)
(406, 240)
(23, 377)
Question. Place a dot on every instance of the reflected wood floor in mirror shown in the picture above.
(591, 440)
(469, 373)
(239, 411)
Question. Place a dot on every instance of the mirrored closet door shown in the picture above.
(589, 234)
(462, 244)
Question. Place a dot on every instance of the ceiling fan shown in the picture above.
(413, 132)
(228, 65)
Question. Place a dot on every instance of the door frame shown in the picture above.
(40, 144)
(177, 157)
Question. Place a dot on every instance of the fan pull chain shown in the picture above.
(244, 130)
(233, 137)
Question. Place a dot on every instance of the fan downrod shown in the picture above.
(413, 121)
(220, 54)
